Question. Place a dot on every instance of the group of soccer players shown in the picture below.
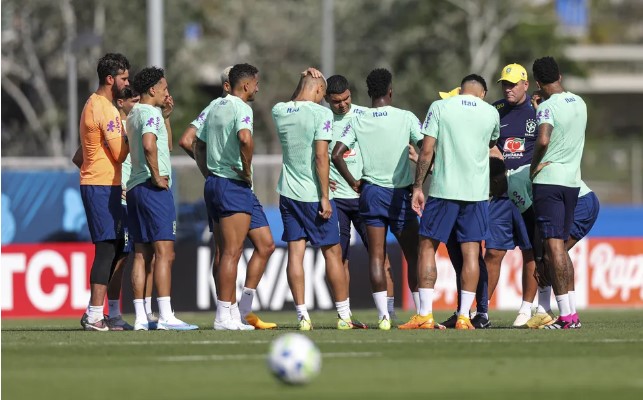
(507, 174)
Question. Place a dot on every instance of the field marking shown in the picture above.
(241, 357)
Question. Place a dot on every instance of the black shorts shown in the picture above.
(554, 209)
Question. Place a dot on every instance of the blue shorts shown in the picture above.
(347, 213)
(386, 207)
(469, 219)
(506, 226)
(585, 214)
(103, 210)
(554, 209)
(302, 221)
(127, 242)
(151, 214)
(225, 197)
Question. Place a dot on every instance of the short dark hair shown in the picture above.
(496, 167)
(146, 78)
(241, 71)
(546, 70)
(111, 64)
(336, 84)
(127, 92)
(474, 78)
(378, 82)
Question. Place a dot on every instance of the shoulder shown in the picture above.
(277, 108)
(499, 104)
(358, 110)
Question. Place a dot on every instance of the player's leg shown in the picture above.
(143, 255)
(115, 320)
(499, 239)
(264, 246)
(523, 239)
(152, 318)
(344, 216)
(481, 319)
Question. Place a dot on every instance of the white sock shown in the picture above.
(95, 313)
(148, 305)
(416, 300)
(245, 304)
(302, 312)
(348, 299)
(426, 301)
(525, 308)
(380, 303)
(139, 310)
(343, 309)
(390, 305)
(544, 299)
(165, 308)
(234, 312)
(465, 302)
(563, 305)
(223, 311)
(114, 308)
(572, 301)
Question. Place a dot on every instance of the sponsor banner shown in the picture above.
(52, 280)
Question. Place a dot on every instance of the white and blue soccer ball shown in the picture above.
(294, 359)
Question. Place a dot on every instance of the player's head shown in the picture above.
(338, 94)
(474, 85)
(310, 88)
(244, 81)
(150, 82)
(225, 81)
(113, 71)
(497, 176)
(515, 83)
(127, 98)
(379, 83)
(546, 71)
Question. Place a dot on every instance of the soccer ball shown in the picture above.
(294, 359)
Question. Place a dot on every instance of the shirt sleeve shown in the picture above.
(199, 122)
(348, 136)
(243, 118)
(151, 122)
(416, 127)
(324, 125)
(496, 128)
(109, 122)
(545, 114)
(432, 121)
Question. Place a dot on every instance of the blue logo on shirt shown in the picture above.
(291, 110)
(380, 114)
(469, 103)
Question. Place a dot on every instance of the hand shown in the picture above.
(315, 73)
(417, 201)
(541, 273)
(539, 168)
(123, 194)
(332, 185)
(357, 186)
(326, 209)
(536, 98)
(413, 155)
(162, 182)
(247, 178)
(168, 107)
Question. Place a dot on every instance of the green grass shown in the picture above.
(53, 359)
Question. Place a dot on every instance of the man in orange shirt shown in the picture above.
(104, 148)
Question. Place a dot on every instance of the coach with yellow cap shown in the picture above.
(518, 131)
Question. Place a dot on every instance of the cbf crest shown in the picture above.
(530, 127)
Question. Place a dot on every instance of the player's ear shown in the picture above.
(109, 80)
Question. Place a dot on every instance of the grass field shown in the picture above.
(54, 359)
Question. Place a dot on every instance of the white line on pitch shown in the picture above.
(235, 357)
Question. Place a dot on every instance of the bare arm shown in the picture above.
(200, 155)
(424, 162)
(542, 143)
(151, 158)
(188, 140)
(168, 107)
(77, 159)
(168, 128)
(246, 148)
(118, 147)
(322, 164)
(342, 168)
(494, 151)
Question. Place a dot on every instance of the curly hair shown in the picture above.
(128, 92)
(378, 82)
(146, 78)
(111, 64)
(546, 70)
(496, 167)
(336, 84)
(241, 71)
(474, 78)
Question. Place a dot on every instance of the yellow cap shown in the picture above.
(446, 95)
(513, 73)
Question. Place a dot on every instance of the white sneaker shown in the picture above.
(227, 325)
(174, 324)
(521, 320)
(244, 326)
(141, 325)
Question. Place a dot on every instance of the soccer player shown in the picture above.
(519, 187)
(338, 96)
(103, 147)
(224, 155)
(515, 146)
(308, 212)
(556, 176)
(383, 134)
(460, 132)
(150, 203)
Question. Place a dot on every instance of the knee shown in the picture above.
(266, 250)
(166, 255)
